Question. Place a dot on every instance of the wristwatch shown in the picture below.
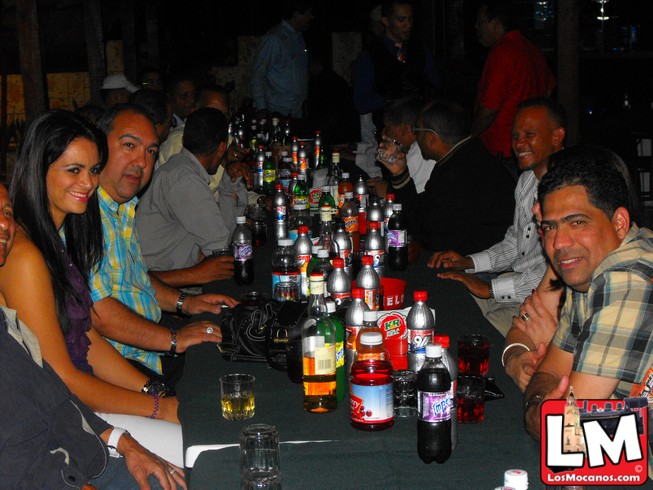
(533, 401)
(180, 303)
(173, 342)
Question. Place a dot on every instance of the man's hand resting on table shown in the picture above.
(450, 259)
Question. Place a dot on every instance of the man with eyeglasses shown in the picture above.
(467, 201)
(538, 132)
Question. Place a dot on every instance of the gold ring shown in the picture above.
(172, 471)
(525, 317)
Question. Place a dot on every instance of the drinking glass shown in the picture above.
(237, 396)
(260, 457)
(473, 354)
(470, 395)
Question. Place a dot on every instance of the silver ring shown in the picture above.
(172, 471)
(525, 317)
(209, 330)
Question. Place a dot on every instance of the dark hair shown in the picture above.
(46, 139)
(105, 123)
(204, 130)
(153, 102)
(405, 110)
(218, 89)
(175, 79)
(292, 6)
(501, 10)
(388, 6)
(555, 109)
(601, 171)
(448, 120)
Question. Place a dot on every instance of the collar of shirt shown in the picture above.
(453, 150)
(202, 171)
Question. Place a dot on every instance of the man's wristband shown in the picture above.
(173, 342)
(114, 439)
(180, 303)
(510, 346)
(533, 401)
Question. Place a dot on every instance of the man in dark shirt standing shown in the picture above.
(468, 200)
(394, 65)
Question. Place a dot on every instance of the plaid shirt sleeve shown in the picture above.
(101, 279)
(615, 339)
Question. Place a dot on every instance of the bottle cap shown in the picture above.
(373, 225)
(370, 316)
(301, 177)
(515, 479)
(367, 260)
(302, 229)
(331, 306)
(389, 197)
(241, 220)
(349, 195)
(443, 340)
(285, 242)
(314, 249)
(358, 293)
(339, 263)
(345, 175)
(322, 254)
(371, 338)
(278, 187)
(433, 350)
(397, 207)
(420, 295)
(326, 188)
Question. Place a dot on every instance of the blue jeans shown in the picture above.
(117, 477)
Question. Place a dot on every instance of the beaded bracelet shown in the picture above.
(156, 406)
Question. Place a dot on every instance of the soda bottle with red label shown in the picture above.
(372, 406)
(421, 327)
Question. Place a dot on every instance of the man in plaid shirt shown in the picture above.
(604, 341)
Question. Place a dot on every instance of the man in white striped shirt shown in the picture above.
(538, 132)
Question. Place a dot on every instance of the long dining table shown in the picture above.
(324, 450)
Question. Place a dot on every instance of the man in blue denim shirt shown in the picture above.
(280, 73)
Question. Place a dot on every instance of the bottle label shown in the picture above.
(242, 251)
(417, 340)
(326, 213)
(372, 299)
(269, 176)
(325, 360)
(303, 164)
(340, 354)
(351, 224)
(371, 404)
(340, 297)
(362, 201)
(433, 407)
(280, 212)
(299, 199)
(341, 200)
(314, 197)
(351, 332)
(397, 238)
(285, 287)
(379, 260)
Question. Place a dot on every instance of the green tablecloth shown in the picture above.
(355, 459)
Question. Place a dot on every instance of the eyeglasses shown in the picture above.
(423, 130)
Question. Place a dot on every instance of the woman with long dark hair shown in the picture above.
(45, 278)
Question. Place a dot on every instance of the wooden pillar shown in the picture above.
(129, 45)
(568, 85)
(29, 52)
(94, 48)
